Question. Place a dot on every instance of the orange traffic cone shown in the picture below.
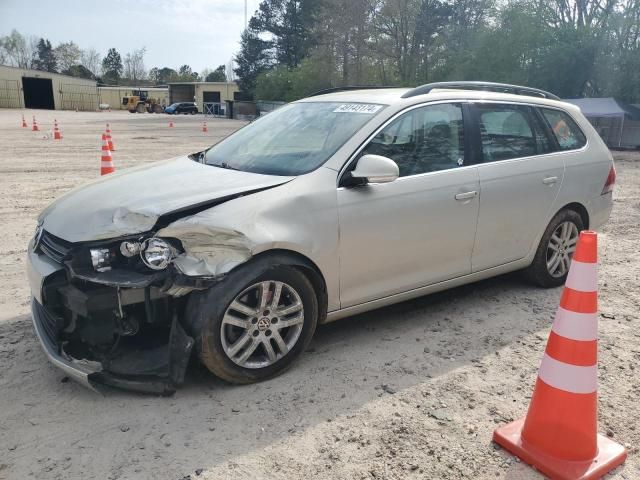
(106, 160)
(56, 131)
(170, 124)
(24, 122)
(204, 127)
(559, 434)
(109, 140)
(35, 128)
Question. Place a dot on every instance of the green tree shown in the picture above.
(79, 71)
(218, 75)
(289, 23)
(166, 75)
(154, 75)
(185, 74)
(112, 67)
(45, 58)
(252, 60)
(67, 54)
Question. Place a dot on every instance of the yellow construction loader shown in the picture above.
(140, 102)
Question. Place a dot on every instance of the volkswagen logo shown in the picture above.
(263, 324)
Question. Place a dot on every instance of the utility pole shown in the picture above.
(245, 14)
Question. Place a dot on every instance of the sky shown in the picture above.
(199, 33)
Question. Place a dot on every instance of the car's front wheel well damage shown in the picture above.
(257, 264)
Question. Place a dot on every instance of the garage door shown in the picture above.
(181, 93)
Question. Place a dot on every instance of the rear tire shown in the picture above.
(219, 328)
(550, 265)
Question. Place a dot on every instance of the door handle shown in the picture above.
(466, 195)
(549, 180)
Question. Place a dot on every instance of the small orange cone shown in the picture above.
(106, 160)
(24, 122)
(170, 124)
(35, 127)
(204, 127)
(56, 131)
(559, 435)
(109, 140)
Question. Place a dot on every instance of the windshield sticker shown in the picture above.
(368, 108)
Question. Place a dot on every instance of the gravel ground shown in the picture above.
(409, 391)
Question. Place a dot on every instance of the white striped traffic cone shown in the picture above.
(106, 160)
(109, 139)
(559, 435)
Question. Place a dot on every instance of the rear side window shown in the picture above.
(510, 131)
(566, 131)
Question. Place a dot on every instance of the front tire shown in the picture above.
(255, 323)
(551, 263)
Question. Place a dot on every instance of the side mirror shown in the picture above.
(375, 169)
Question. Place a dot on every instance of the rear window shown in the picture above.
(566, 131)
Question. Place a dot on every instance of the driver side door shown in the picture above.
(419, 229)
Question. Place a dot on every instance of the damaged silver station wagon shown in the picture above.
(330, 206)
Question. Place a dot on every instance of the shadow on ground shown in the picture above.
(61, 429)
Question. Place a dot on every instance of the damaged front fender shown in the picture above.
(208, 251)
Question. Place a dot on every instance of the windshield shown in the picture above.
(292, 140)
(174, 105)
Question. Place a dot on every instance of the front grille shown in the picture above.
(47, 321)
(53, 247)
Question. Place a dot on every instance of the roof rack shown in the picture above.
(347, 88)
(485, 86)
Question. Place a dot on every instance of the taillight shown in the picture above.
(611, 181)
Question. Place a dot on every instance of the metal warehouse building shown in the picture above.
(21, 87)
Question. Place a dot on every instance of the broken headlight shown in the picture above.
(156, 253)
(101, 259)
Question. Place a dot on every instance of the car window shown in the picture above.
(292, 140)
(425, 139)
(566, 131)
(510, 131)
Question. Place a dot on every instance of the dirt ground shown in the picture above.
(409, 391)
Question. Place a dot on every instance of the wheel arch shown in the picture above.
(579, 209)
(281, 256)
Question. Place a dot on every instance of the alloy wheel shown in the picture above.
(262, 324)
(560, 249)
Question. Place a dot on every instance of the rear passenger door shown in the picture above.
(520, 178)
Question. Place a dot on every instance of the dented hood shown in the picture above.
(132, 201)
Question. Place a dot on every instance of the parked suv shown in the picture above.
(327, 207)
(183, 107)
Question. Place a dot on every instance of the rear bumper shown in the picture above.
(599, 210)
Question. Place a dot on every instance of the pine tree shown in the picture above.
(252, 60)
(112, 67)
(45, 58)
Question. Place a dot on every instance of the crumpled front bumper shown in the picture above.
(42, 323)
(171, 360)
